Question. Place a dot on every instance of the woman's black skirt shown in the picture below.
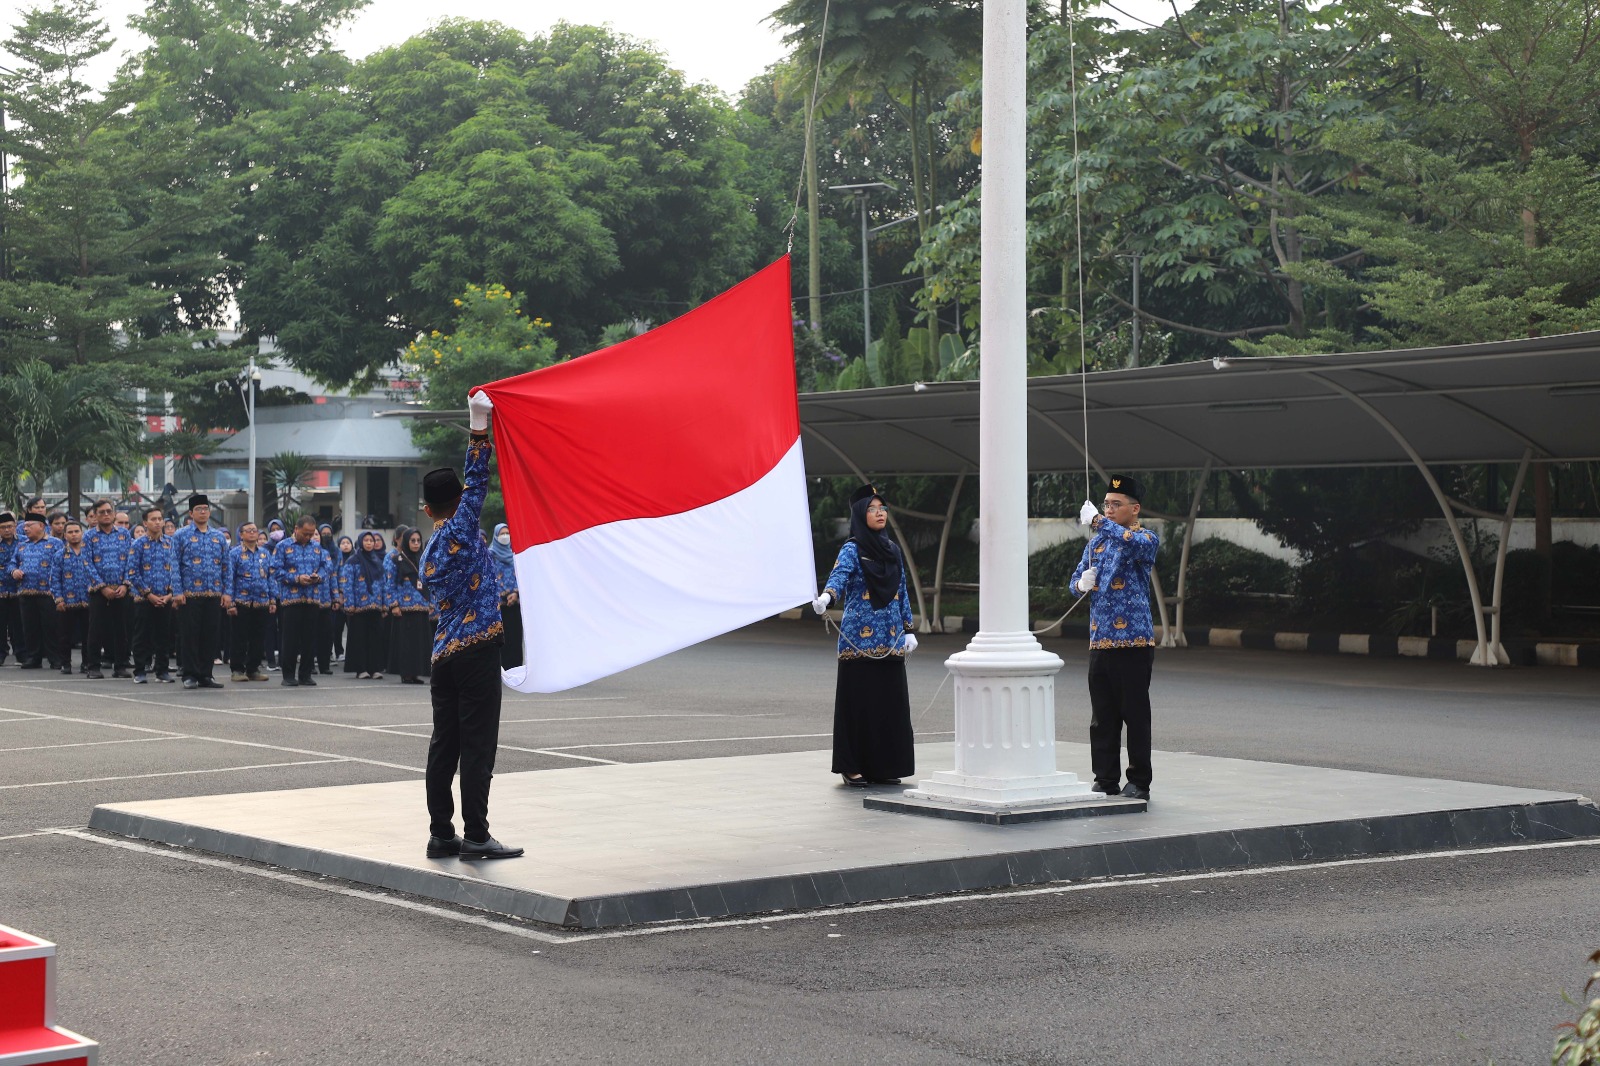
(872, 719)
(410, 644)
(363, 653)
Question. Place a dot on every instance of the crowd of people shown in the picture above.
(139, 595)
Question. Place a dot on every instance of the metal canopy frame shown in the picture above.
(1519, 402)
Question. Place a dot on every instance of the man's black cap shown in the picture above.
(1126, 485)
(199, 499)
(7, 516)
(441, 488)
(36, 516)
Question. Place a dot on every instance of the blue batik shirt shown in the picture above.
(356, 593)
(153, 566)
(457, 571)
(202, 560)
(8, 552)
(247, 580)
(108, 556)
(38, 561)
(867, 630)
(402, 592)
(74, 578)
(1119, 613)
(290, 561)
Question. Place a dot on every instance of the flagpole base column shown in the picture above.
(1005, 744)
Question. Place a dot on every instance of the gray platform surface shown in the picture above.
(627, 844)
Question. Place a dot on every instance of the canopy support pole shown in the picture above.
(1481, 655)
(1179, 640)
(905, 546)
(944, 543)
(1497, 611)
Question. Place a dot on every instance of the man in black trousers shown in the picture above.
(459, 580)
(301, 568)
(110, 599)
(202, 557)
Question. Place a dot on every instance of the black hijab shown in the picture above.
(405, 560)
(370, 560)
(880, 556)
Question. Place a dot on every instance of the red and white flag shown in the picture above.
(655, 490)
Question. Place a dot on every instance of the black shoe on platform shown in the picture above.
(439, 848)
(1134, 792)
(489, 849)
(856, 782)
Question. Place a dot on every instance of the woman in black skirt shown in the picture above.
(410, 616)
(872, 742)
(361, 592)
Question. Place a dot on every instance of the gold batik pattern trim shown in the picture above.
(462, 644)
(1112, 642)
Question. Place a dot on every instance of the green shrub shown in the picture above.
(1220, 571)
(1053, 567)
(1579, 1042)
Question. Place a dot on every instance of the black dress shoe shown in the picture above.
(190, 684)
(94, 675)
(289, 682)
(67, 670)
(121, 675)
(309, 681)
(856, 782)
(210, 682)
(885, 781)
(438, 847)
(1134, 792)
(165, 679)
(1111, 791)
(489, 849)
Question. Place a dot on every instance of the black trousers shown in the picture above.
(38, 629)
(72, 627)
(153, 629)
(302, 627)
(199, 634)
(110, 630)
(325, 641)
(10, 629)
(247, 638)
(1119, 695)
(511, 620)
(466, 731)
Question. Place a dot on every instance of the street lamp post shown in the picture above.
(1005, 721)
(860, 193)
(250, 384)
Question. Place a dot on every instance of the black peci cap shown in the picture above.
(1126, 485)
(865, 492)
(7, 516)
(199, 499)
(441, 488)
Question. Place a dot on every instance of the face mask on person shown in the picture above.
(275, 536)
(503, 537)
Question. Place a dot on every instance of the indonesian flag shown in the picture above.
(655, 490)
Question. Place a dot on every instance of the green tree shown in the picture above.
(60, 418)
(492, 338)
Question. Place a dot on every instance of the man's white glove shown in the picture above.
(478, 407)
(1090, 578)
(820, 604)
(911, 643)
(1087, 513)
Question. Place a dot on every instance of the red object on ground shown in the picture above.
(28, 1033)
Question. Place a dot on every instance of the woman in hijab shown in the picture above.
(872, 742)
(510, 603)
(344, 547)
(410, 620)
(364, 598)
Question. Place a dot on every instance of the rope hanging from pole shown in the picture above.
(1077, 190)
(811, 124)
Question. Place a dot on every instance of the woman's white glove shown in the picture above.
(820, 604)
(1090, 578)
(911, 643)
(1087, 513)
(478, 407)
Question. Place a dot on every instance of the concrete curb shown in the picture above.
(1376, 645)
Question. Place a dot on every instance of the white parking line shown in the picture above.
(99, 743)
(715, 740)
(513, 928)
(584, 718)
(170, 773)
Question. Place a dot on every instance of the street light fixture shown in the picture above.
(251, 381)
(860, 192)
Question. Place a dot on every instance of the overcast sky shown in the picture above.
(724, 42)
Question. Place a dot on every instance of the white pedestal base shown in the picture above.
(1005, 745)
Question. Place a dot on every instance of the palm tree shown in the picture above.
(288, 472)
(61, 419)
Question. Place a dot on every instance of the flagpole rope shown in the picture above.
(811, 124)
(1077, 189)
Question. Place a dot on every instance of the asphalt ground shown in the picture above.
(1444, 959)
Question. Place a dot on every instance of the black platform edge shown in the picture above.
(927, 809)
(1570, 819)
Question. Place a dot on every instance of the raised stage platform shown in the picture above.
(709, 838)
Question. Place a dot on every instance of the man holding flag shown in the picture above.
(459, 580)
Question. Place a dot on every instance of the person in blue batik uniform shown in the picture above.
(202, 554)
(247, 596)
(153, 577)
(505, 572)
(365, 603)
(410, 615)
(70, 585)
(300, 569)
(10, 617)
(33, 567)
(1116, 568)
(111, 602)
(872, 739)
(458, 578)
